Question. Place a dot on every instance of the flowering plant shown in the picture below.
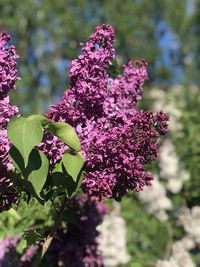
(94, 141)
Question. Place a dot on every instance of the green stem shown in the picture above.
(170, 240)
(48, 240)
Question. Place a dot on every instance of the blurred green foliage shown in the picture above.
(26, 217)
(47, 35)
(143, 229)
(187, 142)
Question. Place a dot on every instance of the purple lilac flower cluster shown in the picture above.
(76, 244)
(28, 256)
(9, 256)
(8, 71)
(53, 147)
(8, 195)
(8, 77)
(6, 111)
(117, 140)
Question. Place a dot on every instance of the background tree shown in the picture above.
(48, 35)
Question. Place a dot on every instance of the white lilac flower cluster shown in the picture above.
(155, 200)
(170, 102)
(112, 239)
(170, 167)
(180, 256)
(172, 174)
(190, 220)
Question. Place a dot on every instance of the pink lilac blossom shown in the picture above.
(117, 140)
(8, 71)
(77, 244)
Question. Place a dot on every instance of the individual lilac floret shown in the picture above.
(8, 71)
(117, 140)
(76, 244)
(6, 112)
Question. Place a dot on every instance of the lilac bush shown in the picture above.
(117, 141)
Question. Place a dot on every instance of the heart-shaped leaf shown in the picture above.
(24, 134)
(73, 164)
(66, 133)
(37, 170)
(42, 119)
(63, 182)
(35, 174)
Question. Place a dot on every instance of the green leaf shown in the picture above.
(73, 164)
(66, 133)
(42, 119)
(16, 158)
(31, 237)
(35, 174)
(37, 170)
(72, 217)
(63, 182)
(22, 245)
(59, 178)
(58, 167)
(13, 213)
(136, 264)
(24, 134)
